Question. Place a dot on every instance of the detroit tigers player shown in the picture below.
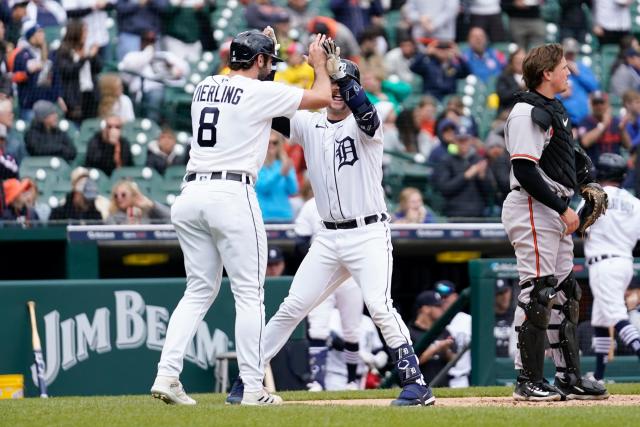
(608, 252)
(347, 299)
(217, 217)
(343, 152)
(546, 168)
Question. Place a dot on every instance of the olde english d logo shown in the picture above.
(346, 152)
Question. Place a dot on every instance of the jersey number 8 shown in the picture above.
(207, 127)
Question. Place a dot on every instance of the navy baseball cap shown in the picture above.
(274, 255)
(444, 287)
(430, 298)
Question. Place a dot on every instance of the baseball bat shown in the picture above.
(613, 344)
(37, 350)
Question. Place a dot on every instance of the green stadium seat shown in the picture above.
(145, 177)
(88, 128)
(174, 173)
(141, 131)
(45, 168)
(101, 179)
(139, 154)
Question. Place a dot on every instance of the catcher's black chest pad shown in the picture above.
(558, 158)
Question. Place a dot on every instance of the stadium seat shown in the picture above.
(51, 166)
(139, 154)
(174, 173)
(145, 177)
(101, 179)
(141, 131)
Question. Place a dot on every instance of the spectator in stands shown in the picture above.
(499, 163)
(611, 20)
(165, 152)
(80, 202)
(487, 14)
(78, 68)
(6, 81)
(484, 62)
(8, 165)
(298, 72)
(627, 75)
(44, 137)
(503, 328)
(602, 132)
(510, 81)
(148, 71)
(631, 103)
(16, 202)
(135, 18)
(417, 126)
(398, 60)
(574, 20)
(440, 68)
(526, 27)
(262, 13)
(357, 16)
(378, 89)
(300, 13)
(464, 179)
(428, 308)
(223, 53)
(276, 183)
(434, 19)
(113, 101)
(32, 201)
(187, 27)
(275, 261)
(411, 208)
(295, 153)
(17, 17)
(391, 136)
(47, 13)
(130, 206)
(626, 42)
(446, 137)
(582, 81)
(108, 149)
(370, 59)
(94, 15)
(455, 111)
(342, 35)
(14, 146)
(33, 71)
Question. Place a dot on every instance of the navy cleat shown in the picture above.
(415, 395)
(236, 393)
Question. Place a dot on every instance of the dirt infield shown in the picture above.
(616, 400)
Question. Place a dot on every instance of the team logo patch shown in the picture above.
(346, 152)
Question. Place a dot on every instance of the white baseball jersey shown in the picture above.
(617, 231)
(344, 165)
(238, 142)
(526, 140)
(460, 330)
(308, 221)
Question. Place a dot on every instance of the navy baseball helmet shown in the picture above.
(249, 44)
(611, 167)
(351, 69)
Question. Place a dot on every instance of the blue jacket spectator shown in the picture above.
(276, 183)
(440, 68)
(354, 15)
(134, 19)
(484, 62)
(582, 81)
(33, 71)
(631, 102)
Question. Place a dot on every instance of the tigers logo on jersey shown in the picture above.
(346, 152)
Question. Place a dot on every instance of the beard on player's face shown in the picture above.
(265, 69)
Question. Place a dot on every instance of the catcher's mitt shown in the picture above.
(595, 204)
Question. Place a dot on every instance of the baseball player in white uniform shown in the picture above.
(343, 150)
(217, 217)
(608, 252)
(347, 299)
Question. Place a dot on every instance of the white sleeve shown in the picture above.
(303, 222)
(525, 139)
(298, 124)
(278, 99)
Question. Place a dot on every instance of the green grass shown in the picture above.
(211, 411)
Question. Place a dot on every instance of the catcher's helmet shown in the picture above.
(351, 69)
(611, 167)
(249, 44)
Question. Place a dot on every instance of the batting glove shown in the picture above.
(268, 31)
(333, 60)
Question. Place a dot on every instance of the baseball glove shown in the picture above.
(333, 60)
(595, 204)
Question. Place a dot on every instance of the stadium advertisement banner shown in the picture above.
(104, 337)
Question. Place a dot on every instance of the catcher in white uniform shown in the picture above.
(217, 217)
(343, 150)
(347, 299)
(608, 252)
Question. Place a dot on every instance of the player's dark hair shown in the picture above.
(538, 60)
(235, 66)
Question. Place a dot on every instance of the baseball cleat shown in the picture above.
(315, 386)
(353, 385)
(260, 398)
(170, 391)
(415, 394)
(536, 392)
(236, 392)
(584, 389)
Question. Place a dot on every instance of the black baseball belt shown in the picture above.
(598, 258)
(230, 176)
(353, 223)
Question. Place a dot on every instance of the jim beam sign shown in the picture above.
(71, 341)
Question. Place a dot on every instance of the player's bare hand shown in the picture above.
(317, 55)
(571, 220)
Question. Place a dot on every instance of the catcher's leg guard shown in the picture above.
(532, 332)
(568, 339)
